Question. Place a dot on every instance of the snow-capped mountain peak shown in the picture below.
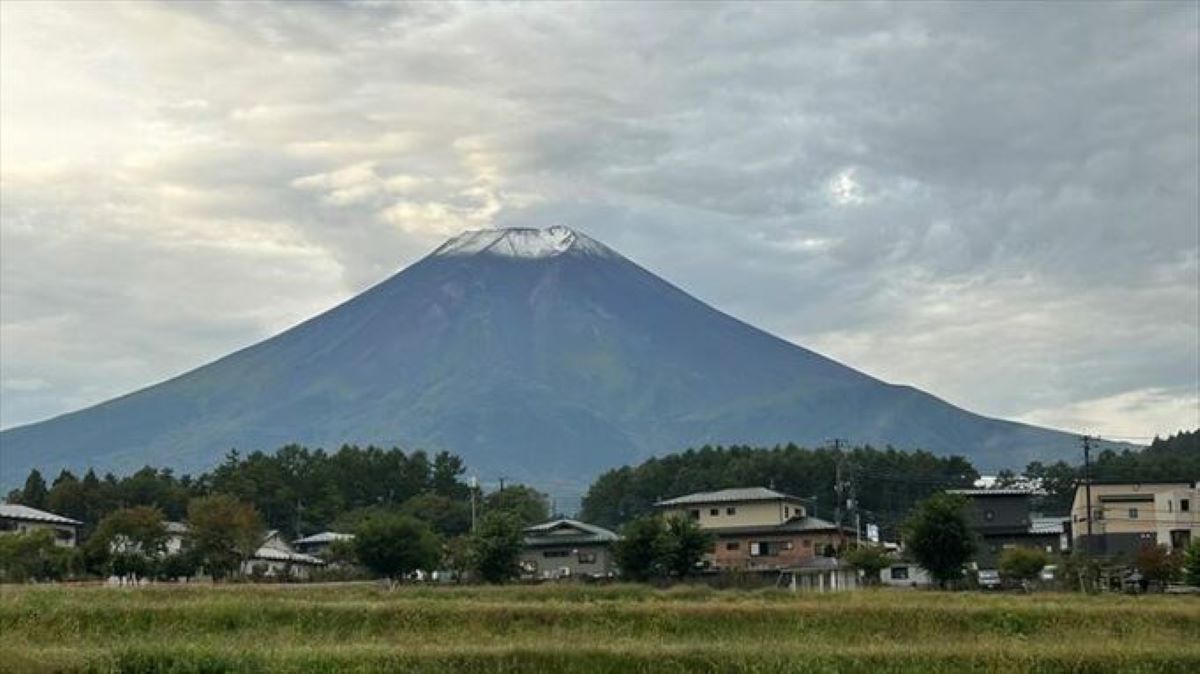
(522, 242)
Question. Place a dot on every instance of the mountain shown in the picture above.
(535, 354)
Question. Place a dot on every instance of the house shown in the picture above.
(1003, 519)
(276, 558)
(564, 548)
(16, 518)
(1129, 515)
(318, 543)
(176, 537)
(758, 529)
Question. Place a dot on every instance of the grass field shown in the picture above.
(361, 628)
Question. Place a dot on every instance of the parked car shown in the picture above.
(989, 579)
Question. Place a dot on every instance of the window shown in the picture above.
(899, 573)
(587, 558)
(787, 545)
(785, 512)
(733, 545)
(556, 553)
(1184, 505)
(1170, 506)
(694, 514)
(756, 549)
(731, 510)
(1133, 513)
(713, 512)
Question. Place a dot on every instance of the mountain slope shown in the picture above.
(532, 353)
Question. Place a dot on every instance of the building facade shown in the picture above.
(566, 548)
(758, 529)
(1003, 519)
(1126, 516)
(16, 518)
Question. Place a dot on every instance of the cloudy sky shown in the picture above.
(995, 203)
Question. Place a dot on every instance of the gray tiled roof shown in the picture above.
(728, 496)
(14, 511)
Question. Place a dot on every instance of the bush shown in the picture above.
(1022, 564)
(870, 560)
(635, 554)
(33, 555)
(1191, 563)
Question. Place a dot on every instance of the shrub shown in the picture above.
(870, 560)
(1022, 564)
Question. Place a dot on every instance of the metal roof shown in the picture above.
(324, 537)
(15, 511)
(729, 496)
(277, 555)
(176, 527)
(991, 492)
(578, 532)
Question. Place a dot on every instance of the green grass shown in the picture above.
(361, 628)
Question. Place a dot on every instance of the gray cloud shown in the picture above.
(997, 203)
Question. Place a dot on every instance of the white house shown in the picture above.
(276, 558)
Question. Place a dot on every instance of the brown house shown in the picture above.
(758, 529)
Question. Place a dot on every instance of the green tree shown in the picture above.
(681, 546)
(1022, 564)
(224, 533)
(939, 537)
(446, 515)
(871, 560)
(528, 505)
(394, 546)
(1191, 563)
(496, 547)
(456, 556)
(35, 493)
(127, 541)
(636, 554)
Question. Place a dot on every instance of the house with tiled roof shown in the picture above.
(758, 529)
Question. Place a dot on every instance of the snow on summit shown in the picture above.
(522, 242)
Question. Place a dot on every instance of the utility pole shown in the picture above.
(839, 487)
(1087, 482)
(474, 488)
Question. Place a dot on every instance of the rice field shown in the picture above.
(592, 629)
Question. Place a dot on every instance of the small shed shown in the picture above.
(820, 574)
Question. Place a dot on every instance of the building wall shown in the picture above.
(740, 514)
(1000, 512)
(578, 560)
(64, 534)
(760, 551)
(1143, 514)
(993, 546)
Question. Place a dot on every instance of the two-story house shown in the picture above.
(566, 548)
(1003, 519)
(758, 529)
(1129, 515)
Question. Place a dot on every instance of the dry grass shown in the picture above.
(587, 629)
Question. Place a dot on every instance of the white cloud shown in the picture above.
(997, 203)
